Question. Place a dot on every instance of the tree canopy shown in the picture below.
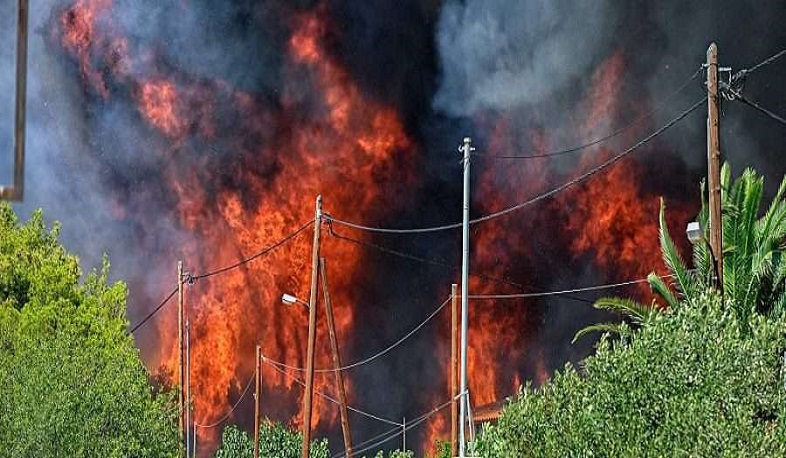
(71, 381)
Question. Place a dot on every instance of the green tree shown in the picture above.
(693, 382)
(275, 441)
(71, 380)
(754, 273)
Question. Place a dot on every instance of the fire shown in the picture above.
(333, 144)
(242, 170)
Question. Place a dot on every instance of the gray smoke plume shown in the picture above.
(501, 53)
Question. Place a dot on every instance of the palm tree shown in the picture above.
(754, 274)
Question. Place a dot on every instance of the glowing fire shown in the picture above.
(233, 312)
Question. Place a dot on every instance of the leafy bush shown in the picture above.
(275, 441)
(71, 380)
(694, 382)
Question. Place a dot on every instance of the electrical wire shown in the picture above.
(446, 265)
(329, 398)
(256, 255)
(556, 293)
(398, 431)
(225, 417)
(190, 278)
(372, 357)
(766, 61)
(758, 107)
(533, 200)
(155, 310)
(603, 138)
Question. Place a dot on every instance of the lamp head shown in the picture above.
(695, 232)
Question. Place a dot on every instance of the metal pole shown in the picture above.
(16, 191)
(404, 434)
(257, 393)
(467, 149)
(713, 164)
(342, 394)
(181, 378)
(312, 333)
(454, 372)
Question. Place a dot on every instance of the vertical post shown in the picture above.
(454, 373)
(16, 191)
(404, 434)
(312, 333)
(180, 372)
(466, 149)
(713, 164)
(257, 394)
(342, 394)
(188, 389)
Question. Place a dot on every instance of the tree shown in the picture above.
(754, 273)
(275, 441)
(71, 381)
(691, 383)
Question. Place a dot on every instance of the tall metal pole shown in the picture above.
(342, 394)
(312, 333)
(454, 372)
(467, 149)
(16, 191)
(404, 434)
(180, 371)
(713, 164)
(257, 394)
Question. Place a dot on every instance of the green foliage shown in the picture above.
(693, 382)
(441, 449)
(396, 454)
(275, 441)
(71, 381)
(754, 273)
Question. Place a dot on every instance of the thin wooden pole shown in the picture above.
(713, 164)
(257, 394)
(308, 397)
(16, 191)
(180, 356)
(342, 394)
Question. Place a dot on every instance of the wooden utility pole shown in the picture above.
(308, 397)
(342, 394)
(180, 369)
(16, 191)
(188, 389)
(454, 381)
(713, 164)
(257, 394)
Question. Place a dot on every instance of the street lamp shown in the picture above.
(289, 299)
(695, 232)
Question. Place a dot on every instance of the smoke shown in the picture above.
(499, 54)
(518, 76)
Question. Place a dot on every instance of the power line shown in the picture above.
(372, 357)
(758, 107)
(256, 255)
(600, 139)
(155, 310)
(533, 200)
(766, 61)
(446, 265)
(222, 270)
(557, 293)
(329, 398)
(398, 431)
(226, 415)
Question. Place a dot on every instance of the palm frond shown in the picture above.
(684, 280)
(612, 328)
(637, 311)
(660, 288)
